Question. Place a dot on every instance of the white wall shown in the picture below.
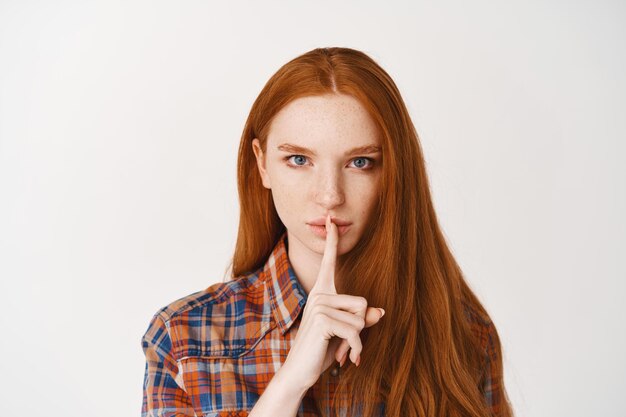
(119, 128)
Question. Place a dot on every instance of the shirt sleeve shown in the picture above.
(162, 394)
(492, 383)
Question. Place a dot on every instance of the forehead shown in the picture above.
(335, 120)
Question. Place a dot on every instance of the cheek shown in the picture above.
(288, 200)
(288, 186)
(363, 192)
(368, 203)
(284, 176)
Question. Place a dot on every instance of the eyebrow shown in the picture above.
(367, 149)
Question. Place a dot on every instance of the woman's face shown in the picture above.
(323, 156)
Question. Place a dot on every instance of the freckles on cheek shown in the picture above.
(289, 180)
(287, 198)
(284, 176)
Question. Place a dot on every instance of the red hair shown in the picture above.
(426, 361)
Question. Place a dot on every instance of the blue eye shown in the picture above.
(362, 159)
(298, 157)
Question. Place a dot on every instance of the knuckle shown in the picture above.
(362, 302)
(318, 305)
(313, 298)
(361, 322)
(319, 318)
(354, 334)
(314, 309)
(356, 344)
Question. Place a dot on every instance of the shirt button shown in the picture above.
(334, 371)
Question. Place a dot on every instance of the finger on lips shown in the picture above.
(325, 282)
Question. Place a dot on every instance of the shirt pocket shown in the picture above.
(228, 381)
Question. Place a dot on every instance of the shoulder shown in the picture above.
(217, 294)
(220, 320)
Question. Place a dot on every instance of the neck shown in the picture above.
(305, 262)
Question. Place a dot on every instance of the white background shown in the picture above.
(119, 128)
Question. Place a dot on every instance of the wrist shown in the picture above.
(288, 382)
(281, 397)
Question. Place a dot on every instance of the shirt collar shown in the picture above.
(287, 296)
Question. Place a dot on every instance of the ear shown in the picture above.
(260, 162)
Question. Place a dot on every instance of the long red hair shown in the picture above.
(426, 361)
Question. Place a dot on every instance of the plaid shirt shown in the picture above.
(213, 352)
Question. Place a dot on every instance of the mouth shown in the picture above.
(321, 221)
(318, 226)
(321, 230)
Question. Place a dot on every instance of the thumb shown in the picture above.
(373, 316)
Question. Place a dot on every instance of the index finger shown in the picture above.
(326, 277)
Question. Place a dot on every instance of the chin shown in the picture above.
(344, 245)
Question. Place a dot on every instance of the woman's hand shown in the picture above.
(331, 323)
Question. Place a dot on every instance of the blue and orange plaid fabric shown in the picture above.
(213, 352)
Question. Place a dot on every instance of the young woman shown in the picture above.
(345, 299)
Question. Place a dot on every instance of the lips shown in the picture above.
(321, 221)
(318, 226)
(321, 230)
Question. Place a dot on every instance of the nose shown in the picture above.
(329, 190)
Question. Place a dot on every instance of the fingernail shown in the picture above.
(382, 312)
(358, 360)
(343, 359)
